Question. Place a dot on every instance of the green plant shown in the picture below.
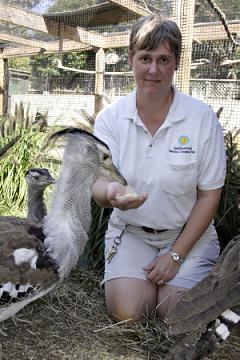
(21, 139)
(20, 142)
(227, 218)
(93, 255)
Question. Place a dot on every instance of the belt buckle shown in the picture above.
(152, 231)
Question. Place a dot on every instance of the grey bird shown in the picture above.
(34, 258)
(37, 179)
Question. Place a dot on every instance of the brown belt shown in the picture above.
(152, 231)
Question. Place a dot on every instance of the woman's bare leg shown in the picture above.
(130, 298)
(168, 296)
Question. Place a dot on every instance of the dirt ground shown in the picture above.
(71, 324)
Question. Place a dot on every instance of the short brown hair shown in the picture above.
(150, 31)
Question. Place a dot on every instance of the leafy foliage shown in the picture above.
(28, 4)
(205, 13)
(214, 52)
(63, 5)
(47, 64)
(20, 142)
(44, 68)
(22, 63)
(228, 216)
(93, 255)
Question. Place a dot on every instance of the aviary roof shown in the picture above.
(102, 14)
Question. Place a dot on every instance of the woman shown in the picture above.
(160, 240)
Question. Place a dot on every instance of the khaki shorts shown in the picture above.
(138, 248)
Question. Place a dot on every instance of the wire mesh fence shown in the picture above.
(73, 55)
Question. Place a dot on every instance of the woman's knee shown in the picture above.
(123, 312)
(168, 297)
(129, 299)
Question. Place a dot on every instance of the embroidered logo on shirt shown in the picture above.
(185, 146)
(183, 140)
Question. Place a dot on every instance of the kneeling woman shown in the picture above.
(161, 240)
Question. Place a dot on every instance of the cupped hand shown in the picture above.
(124, 197)
(161, 269)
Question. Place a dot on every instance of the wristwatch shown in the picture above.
(176, 257)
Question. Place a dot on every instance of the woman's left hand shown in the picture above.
(163, 268)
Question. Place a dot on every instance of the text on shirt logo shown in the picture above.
(184, 147)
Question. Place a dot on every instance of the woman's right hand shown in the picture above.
(124, 197)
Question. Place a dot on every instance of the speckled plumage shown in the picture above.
(34, 258)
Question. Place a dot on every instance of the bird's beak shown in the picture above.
(51, 180)
(112, 173)
(119, 176)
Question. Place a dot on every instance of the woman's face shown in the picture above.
(154, 70)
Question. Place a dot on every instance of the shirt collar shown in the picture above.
(176, 111)
(130, 110)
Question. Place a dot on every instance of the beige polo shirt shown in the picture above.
(187, 152)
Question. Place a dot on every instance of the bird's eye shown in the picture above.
(35, 175)
(105, 157)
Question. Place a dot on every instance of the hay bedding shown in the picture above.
(71, 324)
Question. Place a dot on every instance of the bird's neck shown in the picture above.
(67, 224)
(72, 199)
(35, 203)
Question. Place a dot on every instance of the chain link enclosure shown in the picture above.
(67, 58)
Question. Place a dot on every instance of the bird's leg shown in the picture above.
(2, 333)
(15, 320)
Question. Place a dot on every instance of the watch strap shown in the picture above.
(176, 257)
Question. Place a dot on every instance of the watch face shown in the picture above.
(176, 257)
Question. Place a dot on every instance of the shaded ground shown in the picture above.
(71, 324)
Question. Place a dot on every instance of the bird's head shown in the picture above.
(87, 151)
(39, 178)
(106, 167)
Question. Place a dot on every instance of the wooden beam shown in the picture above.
(92, 38)
(5, 86)
(214, 31)
(68, 45)
(132, 6)
(23, 18)
(22, 41)
(35, 22)
(230, 62)
(99, 80)
(115, 40)
(20, 52)
(1, 84)
(110, 41)
(53, 47)
(69, 32)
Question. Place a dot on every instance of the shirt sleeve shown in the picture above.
(106, 130)
(212, 166)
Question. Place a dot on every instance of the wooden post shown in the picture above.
(1, 83)
(184, 17)
(5, 86)
(99, 80)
